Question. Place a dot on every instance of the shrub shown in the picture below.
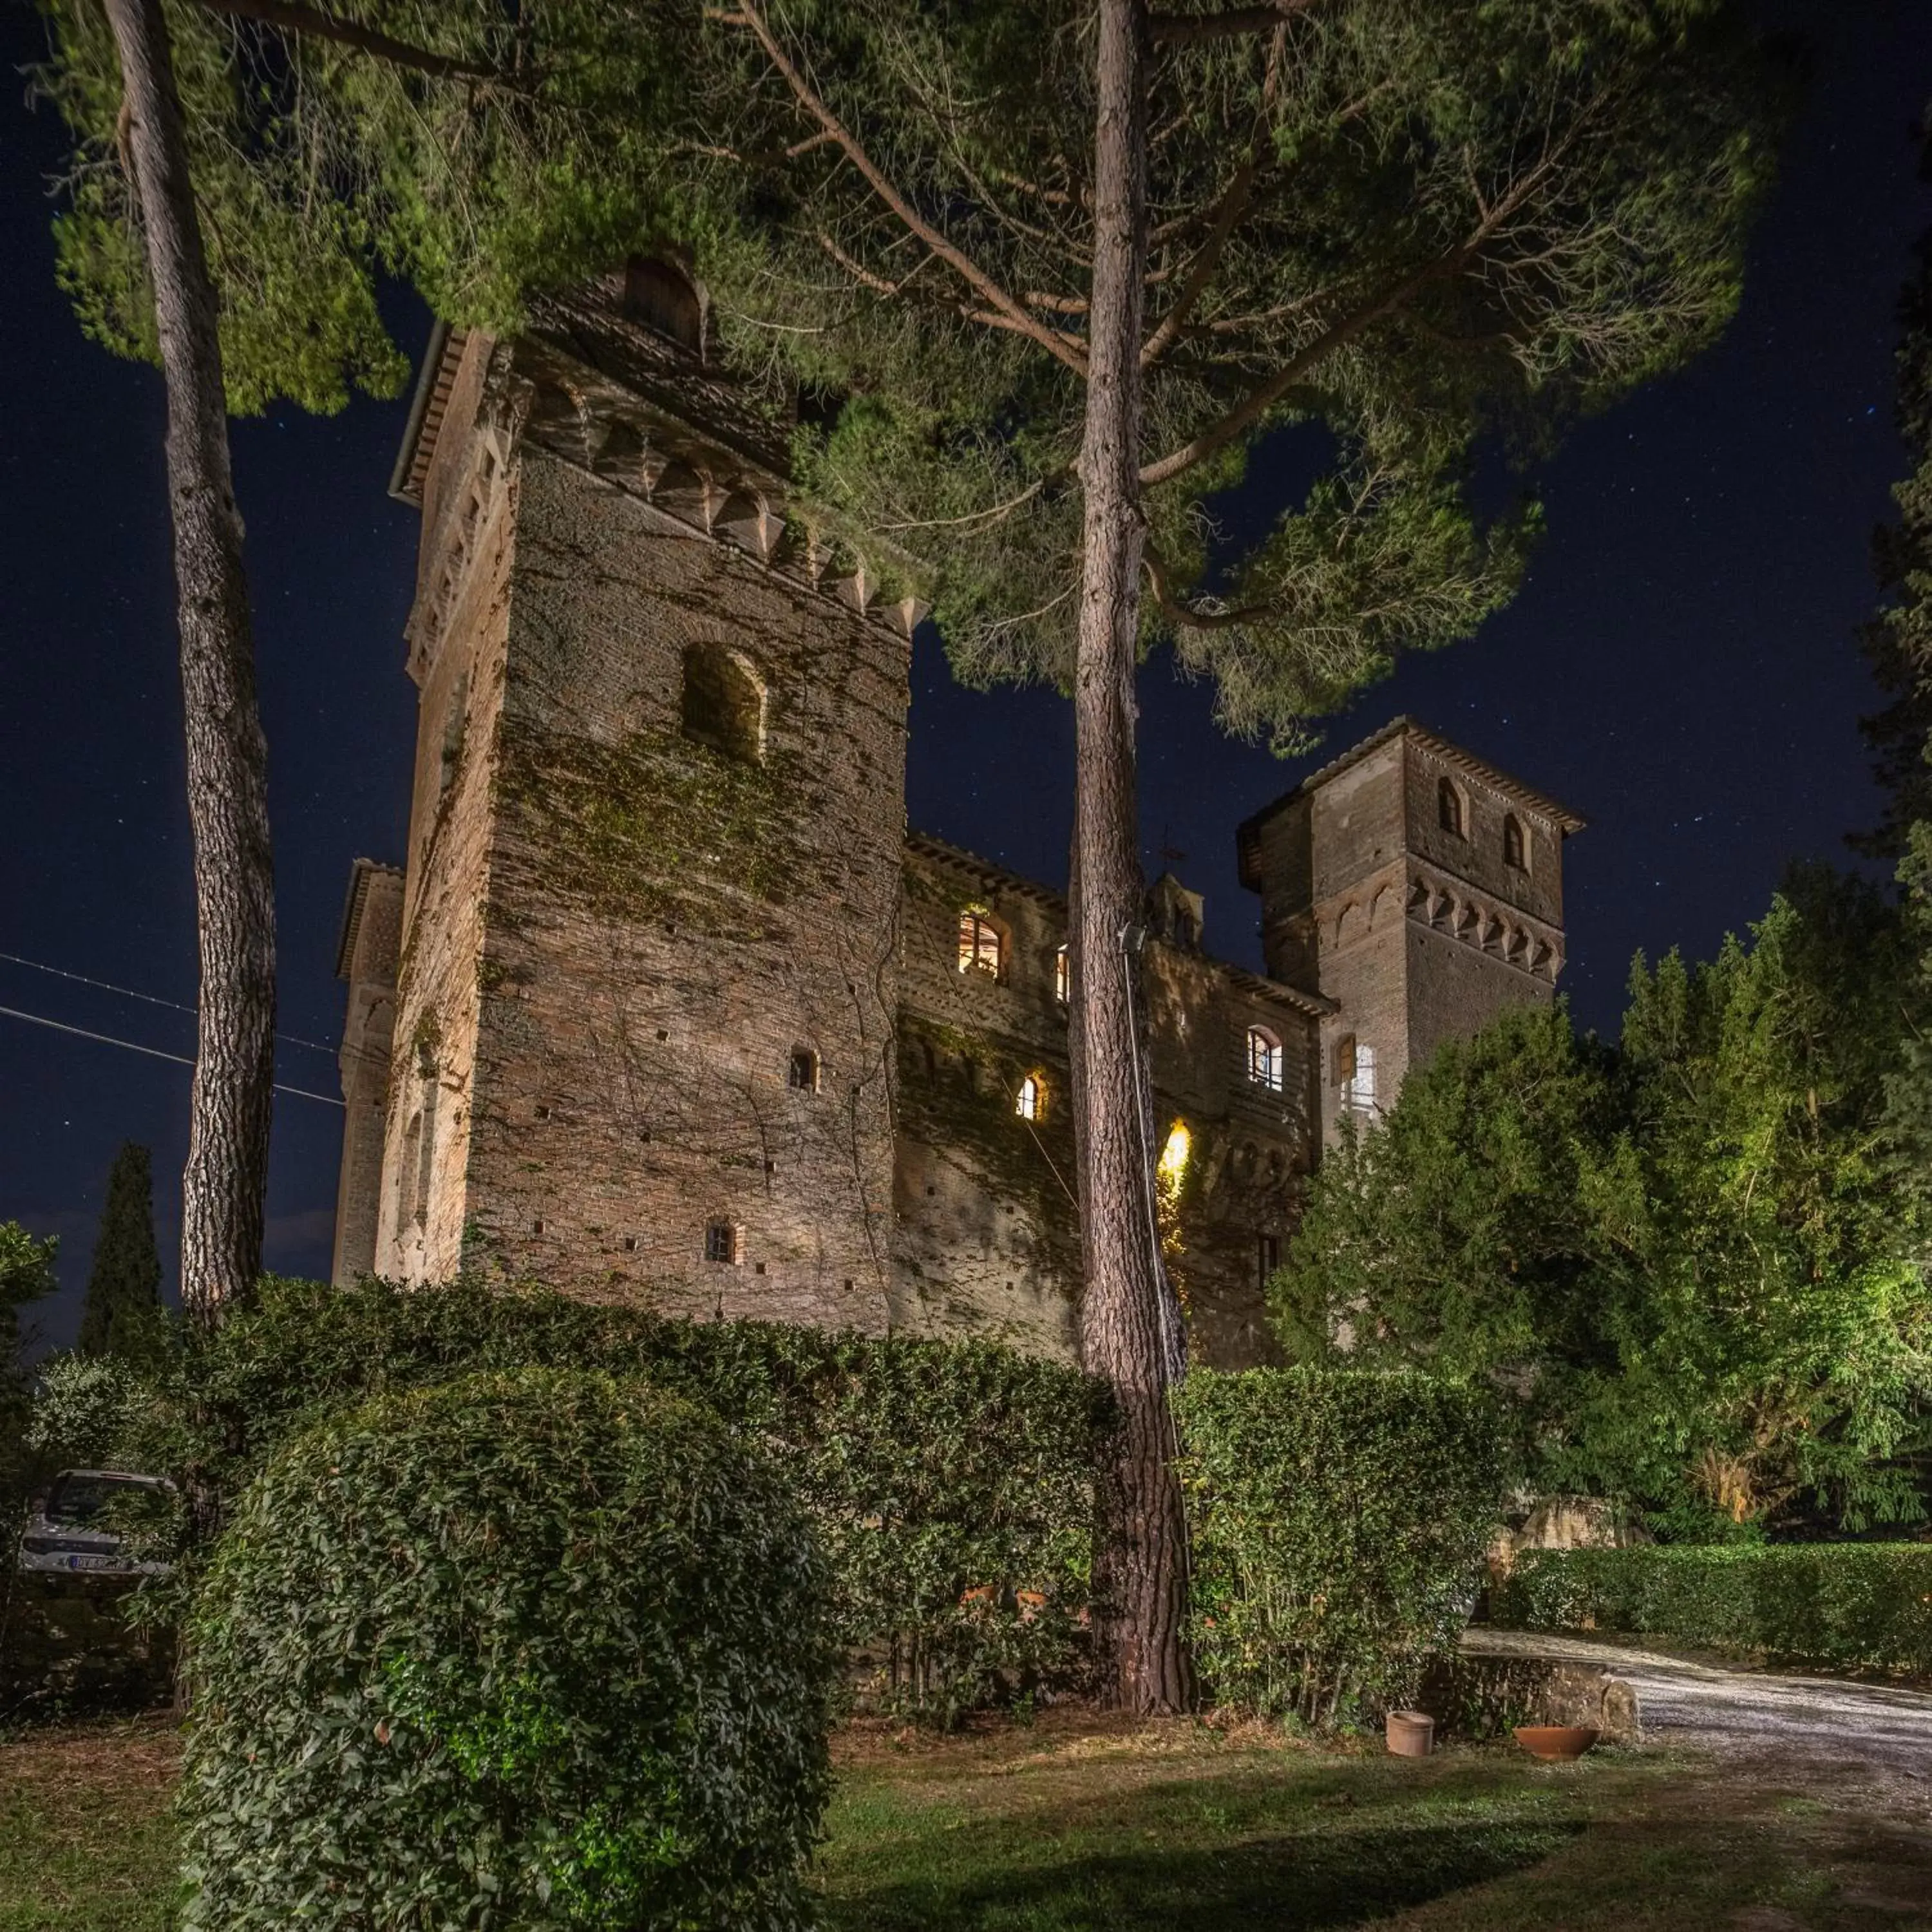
(950, 1483)
(539, 1649)
(1339, 1521)
(1847, 1606)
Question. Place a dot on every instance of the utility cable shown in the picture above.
(152, 999)
(153, 1052)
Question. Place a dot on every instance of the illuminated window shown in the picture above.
(721, 1242)
(1173, 1155)
(1358, 1090)
(1032, 1098)
(1264, 1059)
(1515, 853)
(1345, 1059)
(803, 1072)
(1063, 976)
(980, 943)
(1449, 808)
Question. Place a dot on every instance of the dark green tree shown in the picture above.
(1688, 1258)
(1898, 642)
(1057, 270)
(121, 1315)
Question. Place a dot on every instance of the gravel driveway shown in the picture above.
(1743, 1711)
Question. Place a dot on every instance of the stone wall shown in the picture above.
(987, 1234)
(371, 940)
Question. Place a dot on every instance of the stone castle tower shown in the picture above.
(1418, 888)
(666, 1005)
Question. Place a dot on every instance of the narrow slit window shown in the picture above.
(802, 1073)
(720, 1243)
(1063, 976)
(980, 946)
(1268, 1257)
(1516, 852)
(1264, 1059)
(1449, 808)
(1031, 1098)
(1345, 1059)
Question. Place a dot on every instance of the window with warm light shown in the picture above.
(980, 944)
(1063, 976)
(1264, 1059)
(1031, 1098)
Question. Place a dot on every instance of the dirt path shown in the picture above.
(1746, 1712)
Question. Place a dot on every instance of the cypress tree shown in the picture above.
(124, 1289)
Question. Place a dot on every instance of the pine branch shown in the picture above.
(1177, 30)
(1016, 317)
(311, 22)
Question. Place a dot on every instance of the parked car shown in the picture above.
(92, 1521)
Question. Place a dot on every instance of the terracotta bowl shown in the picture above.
(1557, 1744)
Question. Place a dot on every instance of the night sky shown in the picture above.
(1680, 667)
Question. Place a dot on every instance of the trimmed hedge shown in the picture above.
(1339, 1521)
(1847, 1606)
(950, 1483)
(539, 1649)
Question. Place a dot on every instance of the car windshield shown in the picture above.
(79, 1500)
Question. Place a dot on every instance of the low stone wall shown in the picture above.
(1473, 1697)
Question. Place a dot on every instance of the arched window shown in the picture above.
(661, 296)
(1449, 808)
(723, 704)
(981, 944)
(1358, 1090)
(1264, 1059)
(1030, 1101)
(1063, 976)
(1515, 851)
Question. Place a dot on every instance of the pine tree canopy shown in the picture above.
(1405, 235)
(123, 1287)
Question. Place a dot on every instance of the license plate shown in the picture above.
(94, 1563)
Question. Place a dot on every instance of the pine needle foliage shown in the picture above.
(1397, 232)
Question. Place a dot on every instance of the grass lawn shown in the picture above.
(1082, 1825)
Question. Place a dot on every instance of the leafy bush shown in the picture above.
(1853, 1606)
(1339, 1521)
(539, 1649)
(949, 1483)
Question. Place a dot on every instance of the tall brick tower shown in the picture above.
(1417, 887)
(646, 986)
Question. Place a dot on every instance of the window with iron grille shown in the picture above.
(721, 1242)
(980, 943)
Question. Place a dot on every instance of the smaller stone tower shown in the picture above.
(372, 925)
(1417, 887)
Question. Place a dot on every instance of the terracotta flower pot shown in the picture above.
(1556, 1744)
(1410, 1733)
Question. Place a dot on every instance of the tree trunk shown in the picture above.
(1129, 1330)
(227, 779)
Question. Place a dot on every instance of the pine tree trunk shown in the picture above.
(1129, 1332)
(227, 778)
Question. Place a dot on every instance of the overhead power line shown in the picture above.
(153, 1052)
(152, 999)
